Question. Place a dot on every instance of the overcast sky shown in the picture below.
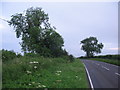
(74, 21)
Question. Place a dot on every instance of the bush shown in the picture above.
(8, 55)
(71, 58)
(31, 55)
(19, 55)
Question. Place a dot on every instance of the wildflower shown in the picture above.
(76, 76)
(57, 74)
(43, 86)
(33, 82)
(35, 67)
(58, 71)
(39, 85)
(29, 72)
(35, 62)
(30, 84)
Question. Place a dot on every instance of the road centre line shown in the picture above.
(105, 68)
(117, 74)
(89, 77)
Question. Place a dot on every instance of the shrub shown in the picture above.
(71, 58)
(8, 55)
(31, 55)
(19, 55)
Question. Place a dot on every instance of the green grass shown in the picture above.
(0, 73)
(111, 61)
(45, 73)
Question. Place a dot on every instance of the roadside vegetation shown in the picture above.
(42, 72)
(112, 59)
(45, 64)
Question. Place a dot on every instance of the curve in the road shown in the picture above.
(101, 74)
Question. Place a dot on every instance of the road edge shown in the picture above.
(89, 77)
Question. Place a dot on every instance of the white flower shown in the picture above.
(76, 76)
(29, 72)
(58, 71)
(57, 74)
(33, 82)
(39, 85)
(35, 67)
(30, 84)
(35, 62)
(43, 86)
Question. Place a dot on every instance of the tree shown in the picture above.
(36, 32)
(90, 46)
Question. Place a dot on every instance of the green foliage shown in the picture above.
(111, 61)
(36, 32)
(40, 72)
(71, 58)
(115, 57)
(90, 46)
(19, 55)
(8, 55)
(31, 55)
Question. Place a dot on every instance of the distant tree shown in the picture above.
(90, 46)
(36, 32)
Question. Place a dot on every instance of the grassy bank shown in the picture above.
(111, 61)
(42, 72)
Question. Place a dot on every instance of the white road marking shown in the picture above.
(117, 74)
(105, 68)
(89, 77)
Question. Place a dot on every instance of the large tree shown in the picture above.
(36, 32)
(91, 46)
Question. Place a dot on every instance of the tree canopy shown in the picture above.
(37, 35)
(91, 46)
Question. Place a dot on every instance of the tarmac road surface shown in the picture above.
(102, 75)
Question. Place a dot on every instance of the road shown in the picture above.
(101, 74)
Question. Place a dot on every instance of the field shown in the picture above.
(111, 61)
(40, 72)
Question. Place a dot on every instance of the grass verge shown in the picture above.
(42, 72)
(111, 61)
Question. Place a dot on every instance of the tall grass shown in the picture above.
(39, 72)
